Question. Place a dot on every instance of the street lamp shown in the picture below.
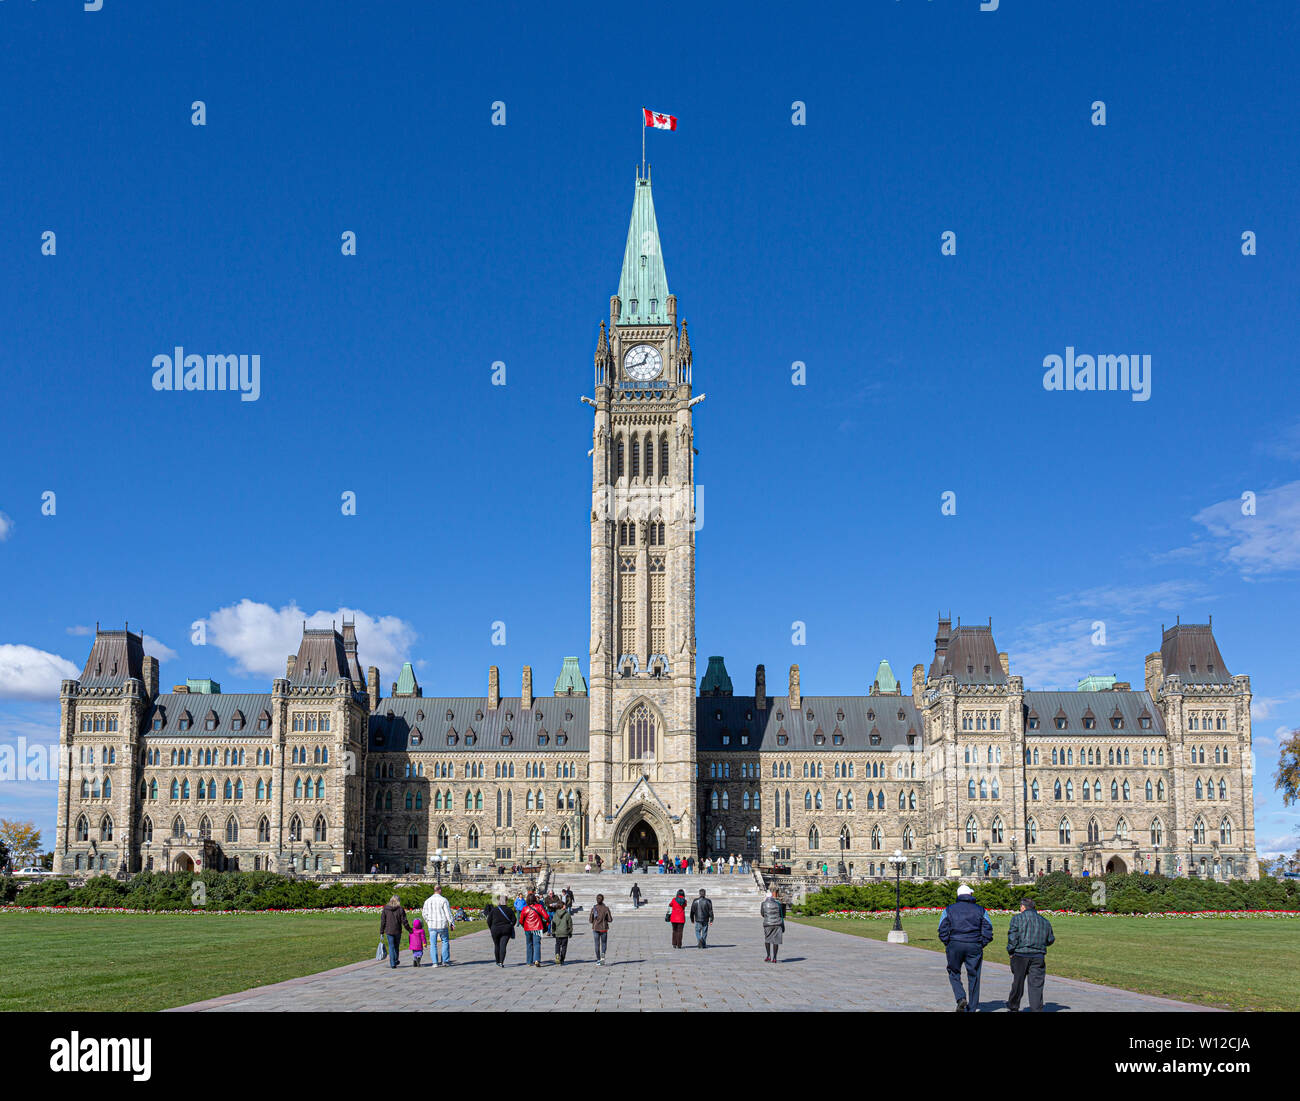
(455, 871)
(546, 832)
(438, 858)
(775, 850)
(896, 934)
(844, 853)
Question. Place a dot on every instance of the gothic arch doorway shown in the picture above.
(1115, 864)
(643, 842)
(183, 863)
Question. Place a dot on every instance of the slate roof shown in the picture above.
(1074, 706)
(115, 656)
(971, 656)
(323, 659)
(1189, 650)
(171, 706)
(560, 715)
(862, 716)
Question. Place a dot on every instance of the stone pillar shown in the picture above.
(760, 688)
(372, 686)
(494, 687)
(793, 694)
(526, 694)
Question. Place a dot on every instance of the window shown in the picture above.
(1225, 832)
(996, 831)
(1063, 832)
(1034, 791)
(972, 830)
(814, 839)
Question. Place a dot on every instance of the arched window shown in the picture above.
(295, 828)
(1121, 829)
(1069, 790)
(83, 829)
(719, 839)
(261, 788)
(877, 838)
(232, 829)
(636, 456)
(995, 789)
(297, 788)
(1094, 830)
(909, 837)
(1063, 831)
(984, 789)
(185, 789)
(814, 839)
(1032, 830)
(472, 837)
(176, 790)
(413, 838)
(846, 838)
(146, 829)
(534, 835)
(1148, 791)
(444, 837)
(972, 830)
(726, 800)
(1160, 790)
(1034, 791)
(848, 800)
(1126, 791)
(970, 788)
(319, 829)
(320, 787)
(566, 838)
(996, 831)
(1223, 789)
(641, 733)
(817, 799)
(1056, 790)
(205, 828)
(178, 827)
(1200, 791)
(1114, 791)
(1157, 832)
(1198, 831)
(1225, 832)
(264, 829)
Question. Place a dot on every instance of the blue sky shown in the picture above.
(817, 243)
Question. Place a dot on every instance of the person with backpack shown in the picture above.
(501, 922)
(600, 917)
(964, 930)
(535, 920)
(1028, 937)
(677, 916)
(702, 916)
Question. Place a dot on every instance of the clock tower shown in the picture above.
(643, 790)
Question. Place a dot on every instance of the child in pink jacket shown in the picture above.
(418, 940)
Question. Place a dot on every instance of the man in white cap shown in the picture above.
(965, 929)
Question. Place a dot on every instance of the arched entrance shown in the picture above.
(643, 842)
(1116, 864)
(182, 863)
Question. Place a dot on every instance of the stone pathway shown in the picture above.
(819, 970)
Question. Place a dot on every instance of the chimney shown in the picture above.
(760, 688)
(918, 685)
(372, 686)
(1155, 673)
(288, 666)
(795, 703)
(151, 678)
(494, 687)
(181, 689)
(1005, 662)
(1121, 686)
(526, 695)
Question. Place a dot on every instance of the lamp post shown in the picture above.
(775, 850)
(437, 866)
(1015, 866)
(546, 833)
(455, 870)
(896, 934)
(844, 855)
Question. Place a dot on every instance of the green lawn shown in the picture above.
(1247, 963)
(158, 961)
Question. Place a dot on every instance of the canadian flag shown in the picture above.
(657, 121)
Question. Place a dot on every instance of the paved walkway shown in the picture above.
(819, 970)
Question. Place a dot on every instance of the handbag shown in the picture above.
(668, 916)
(512, 923)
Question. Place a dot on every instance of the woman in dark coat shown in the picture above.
(677, 916)
(392, 919)
(501, 921)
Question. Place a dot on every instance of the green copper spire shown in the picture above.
(406, 685)
(716, 681)
(570, 682)
(885, 679)
(643, 286)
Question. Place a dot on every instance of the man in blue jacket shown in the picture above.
(965, 929)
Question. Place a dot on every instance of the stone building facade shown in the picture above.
(964, 772)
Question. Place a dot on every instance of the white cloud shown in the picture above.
(1267, 542)
(259, 637)
(159, 650)
(81, 630)
(6, 527)
(27, 673)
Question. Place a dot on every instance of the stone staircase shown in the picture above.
(733, 895)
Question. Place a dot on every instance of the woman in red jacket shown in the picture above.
(677, 916)
(534, 918)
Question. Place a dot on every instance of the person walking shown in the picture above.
(568, 897)
(1028, 936)
(702, 916)
(535, 920)
(600, 917)
(708, 865)
(392, 920)
(440, 921)
(677, 916)
(501, 922)
(635, 894)
(417, 942)
(562, 930)
(772, 912)
(965, 929)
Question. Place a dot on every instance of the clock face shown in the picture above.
(643, 363)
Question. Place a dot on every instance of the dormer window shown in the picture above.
(379, 737)
(538, 716)
(654, 304)
(507, 738)
(543, 738)
(871, 716)
(157, 724)
(470, 739)
(450, 715)
(782, 738)
(416, 736)
(717, 716)
(631, 306)
(875, 738)
(568, 716)
(478, 716)
(419, 716)
(1033, 722)
(264, 721)
(780, 716)
(1060, 723)
(810, 714)
(744, 739)
(452, 738)
(726, 739)
(237, 721)
(561, 739)
(901, 715)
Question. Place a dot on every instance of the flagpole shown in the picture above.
(643, 142)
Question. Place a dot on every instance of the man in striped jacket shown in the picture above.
(1028, 936)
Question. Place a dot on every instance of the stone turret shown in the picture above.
(794, 697)
(150, 678)
(526, 693)
(918, 684)
(1155, 673)
(760, 688)
(494, 687)
(372, 686)
(290, 662)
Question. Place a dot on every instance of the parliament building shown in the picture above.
(963, 771)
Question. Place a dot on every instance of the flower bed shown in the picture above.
(187, 913)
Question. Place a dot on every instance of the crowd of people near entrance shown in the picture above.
(630, 864)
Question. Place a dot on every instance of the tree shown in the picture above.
(22, 839)
(4, 856)
(1287, 778)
